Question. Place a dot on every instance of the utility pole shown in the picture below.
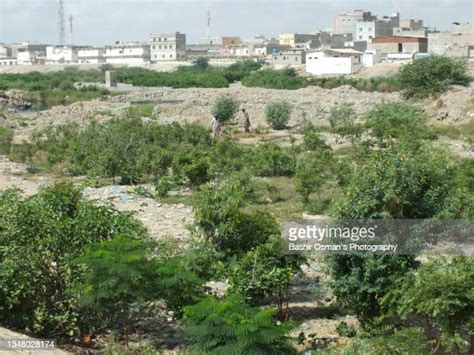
(61, 23)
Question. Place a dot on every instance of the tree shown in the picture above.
(201, 63)
(230, 326)
(432, 75)
(397, 120)
(40, 236)
(278, 114)
(312, 173)
(265, 273)
(220, 216)
(225, 108)
(342, 120)
(394, 183)
(442, 290)
(6, 138)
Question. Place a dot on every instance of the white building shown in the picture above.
(347, 22)
(91, 56)
(27, 57)
(371, 57)
(367, 30)
(5, 52)
(8, 61)
(55, 55)
(168, 47)
(333, 61)
(127, 53)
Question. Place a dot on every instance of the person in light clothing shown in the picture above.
(216, 127)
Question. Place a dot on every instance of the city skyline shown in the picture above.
(111, 20)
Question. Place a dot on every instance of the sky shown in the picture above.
(98, 22)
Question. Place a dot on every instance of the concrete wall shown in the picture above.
(452, 44)
(61, 55)
(392, 44)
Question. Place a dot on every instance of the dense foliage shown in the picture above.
(224, 108)
(432, 75)
(232, 327)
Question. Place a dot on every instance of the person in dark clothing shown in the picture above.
(246, 121)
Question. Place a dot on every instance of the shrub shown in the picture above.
(441, 290)
(225, 108)
(40, 237)
(431, 75)
(312, 172)
(6, 138)
(231, 327)
(342, 120)
(201, 63)
(278, 114)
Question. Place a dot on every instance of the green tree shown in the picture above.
(394, 183)
(343, 120)
(6, 138)
(40, 236)
(225, 108)
(231, 327)
(312, 172)
(432, 75)
(278, 114)
(201, 63)
(442, 290)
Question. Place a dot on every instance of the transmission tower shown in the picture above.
(61, 23)
(70, 30)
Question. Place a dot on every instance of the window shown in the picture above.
(360, 37)
(153, 47)
(361, 29)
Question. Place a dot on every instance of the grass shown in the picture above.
(455, 132)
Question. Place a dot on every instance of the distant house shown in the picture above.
(289, 58)
(399, 44)
(127, 53)
(55, 55)
(333, 61)
(91, 56)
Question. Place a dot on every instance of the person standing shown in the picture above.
(216, 127)
(246, 121)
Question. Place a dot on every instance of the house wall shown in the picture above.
(91, 56)
(391, 44)
(452, 44)
(127, 54)
(61, 54)
(289, 58)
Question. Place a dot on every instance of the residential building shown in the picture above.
(220, 41)
(293, 39)
(290, 57)
(399, 44)
(8, 61)
(127, 53)
(367, 30)
(5, 52)
(91, 56)
(347, 22)
(454, 43)
(168, 47)
(27, 57)
(57, 55)
(202, 50)
(26, 46)
(343, 61)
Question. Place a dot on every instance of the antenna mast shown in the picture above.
(61, 23)
(70, 30)
(208, 23)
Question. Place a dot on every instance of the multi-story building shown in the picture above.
(367, 30)
(347, 22)
(26, 46)
(295, 39)
(168, 47)
(5, 52)
(452, 44)
(91, 56)
(59, 55)
(127, 53)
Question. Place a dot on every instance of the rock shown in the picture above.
(442, 115)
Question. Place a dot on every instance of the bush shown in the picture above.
(278, 114)
(442, 291)
(225, 108)
(201, 63)
(312, 172)
(231, 327)
(6, 138)
(40, 237)
(432, 75)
